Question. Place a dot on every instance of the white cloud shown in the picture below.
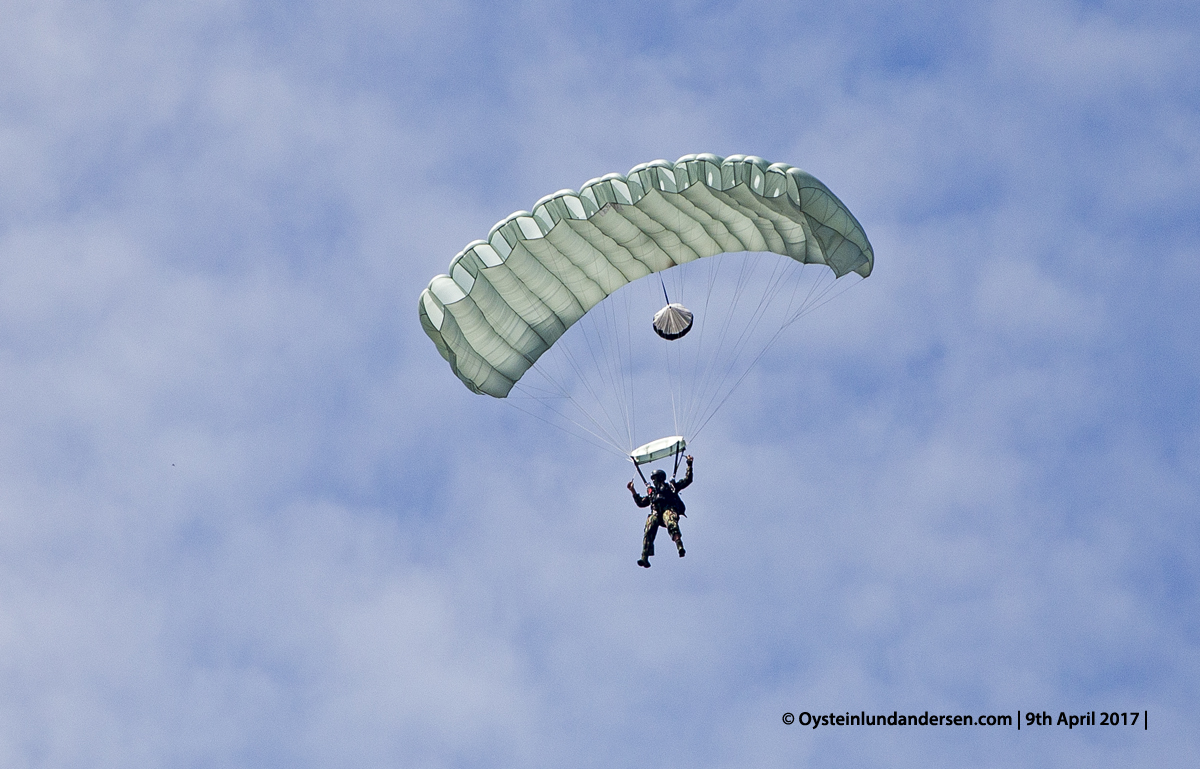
(248, 516)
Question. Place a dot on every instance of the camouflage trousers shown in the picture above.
(667, 518)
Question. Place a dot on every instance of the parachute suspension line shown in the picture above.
(675, 472)
(594, 336)
(710, 373)
(555, 377)
(712, 267)
(745, 373)
(816, 297)
(603, 438)
(775, 286)
(705, 382)
(703, 362)
(789, 316)
(793, 312)
(611, 360)
(671, 350)
(627, 367)
(612, 394)
(680, 280)
(601, 441)
(605, 368)
(585, 380)
(821, 299)
(684, 349)
(708, 388)
(758, 297)
(671, 384)
(560, 393)
(599, 430)
(603, 386)
(674, 351)
(618, 381)
(667, 376)
(622, 362)
(623, 365)
(618, 375)
(766, 300)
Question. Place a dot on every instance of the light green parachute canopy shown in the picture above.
(506, 300)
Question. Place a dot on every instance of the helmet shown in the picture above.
(658, 475)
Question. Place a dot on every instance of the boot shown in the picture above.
(644, 562)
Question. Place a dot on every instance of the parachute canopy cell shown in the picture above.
(505, 300)
(659, 449)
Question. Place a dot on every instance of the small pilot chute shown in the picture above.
(673, 321)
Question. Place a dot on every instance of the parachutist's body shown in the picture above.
(662, 498)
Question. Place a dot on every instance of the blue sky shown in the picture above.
(249, 518)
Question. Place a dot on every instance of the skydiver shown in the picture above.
(665, 508)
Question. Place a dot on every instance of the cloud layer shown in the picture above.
(248, 517)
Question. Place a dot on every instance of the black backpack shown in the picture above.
(674, 500)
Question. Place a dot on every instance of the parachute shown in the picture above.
(508, 300)
(673, 321)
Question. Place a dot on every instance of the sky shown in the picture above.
(248, 517)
